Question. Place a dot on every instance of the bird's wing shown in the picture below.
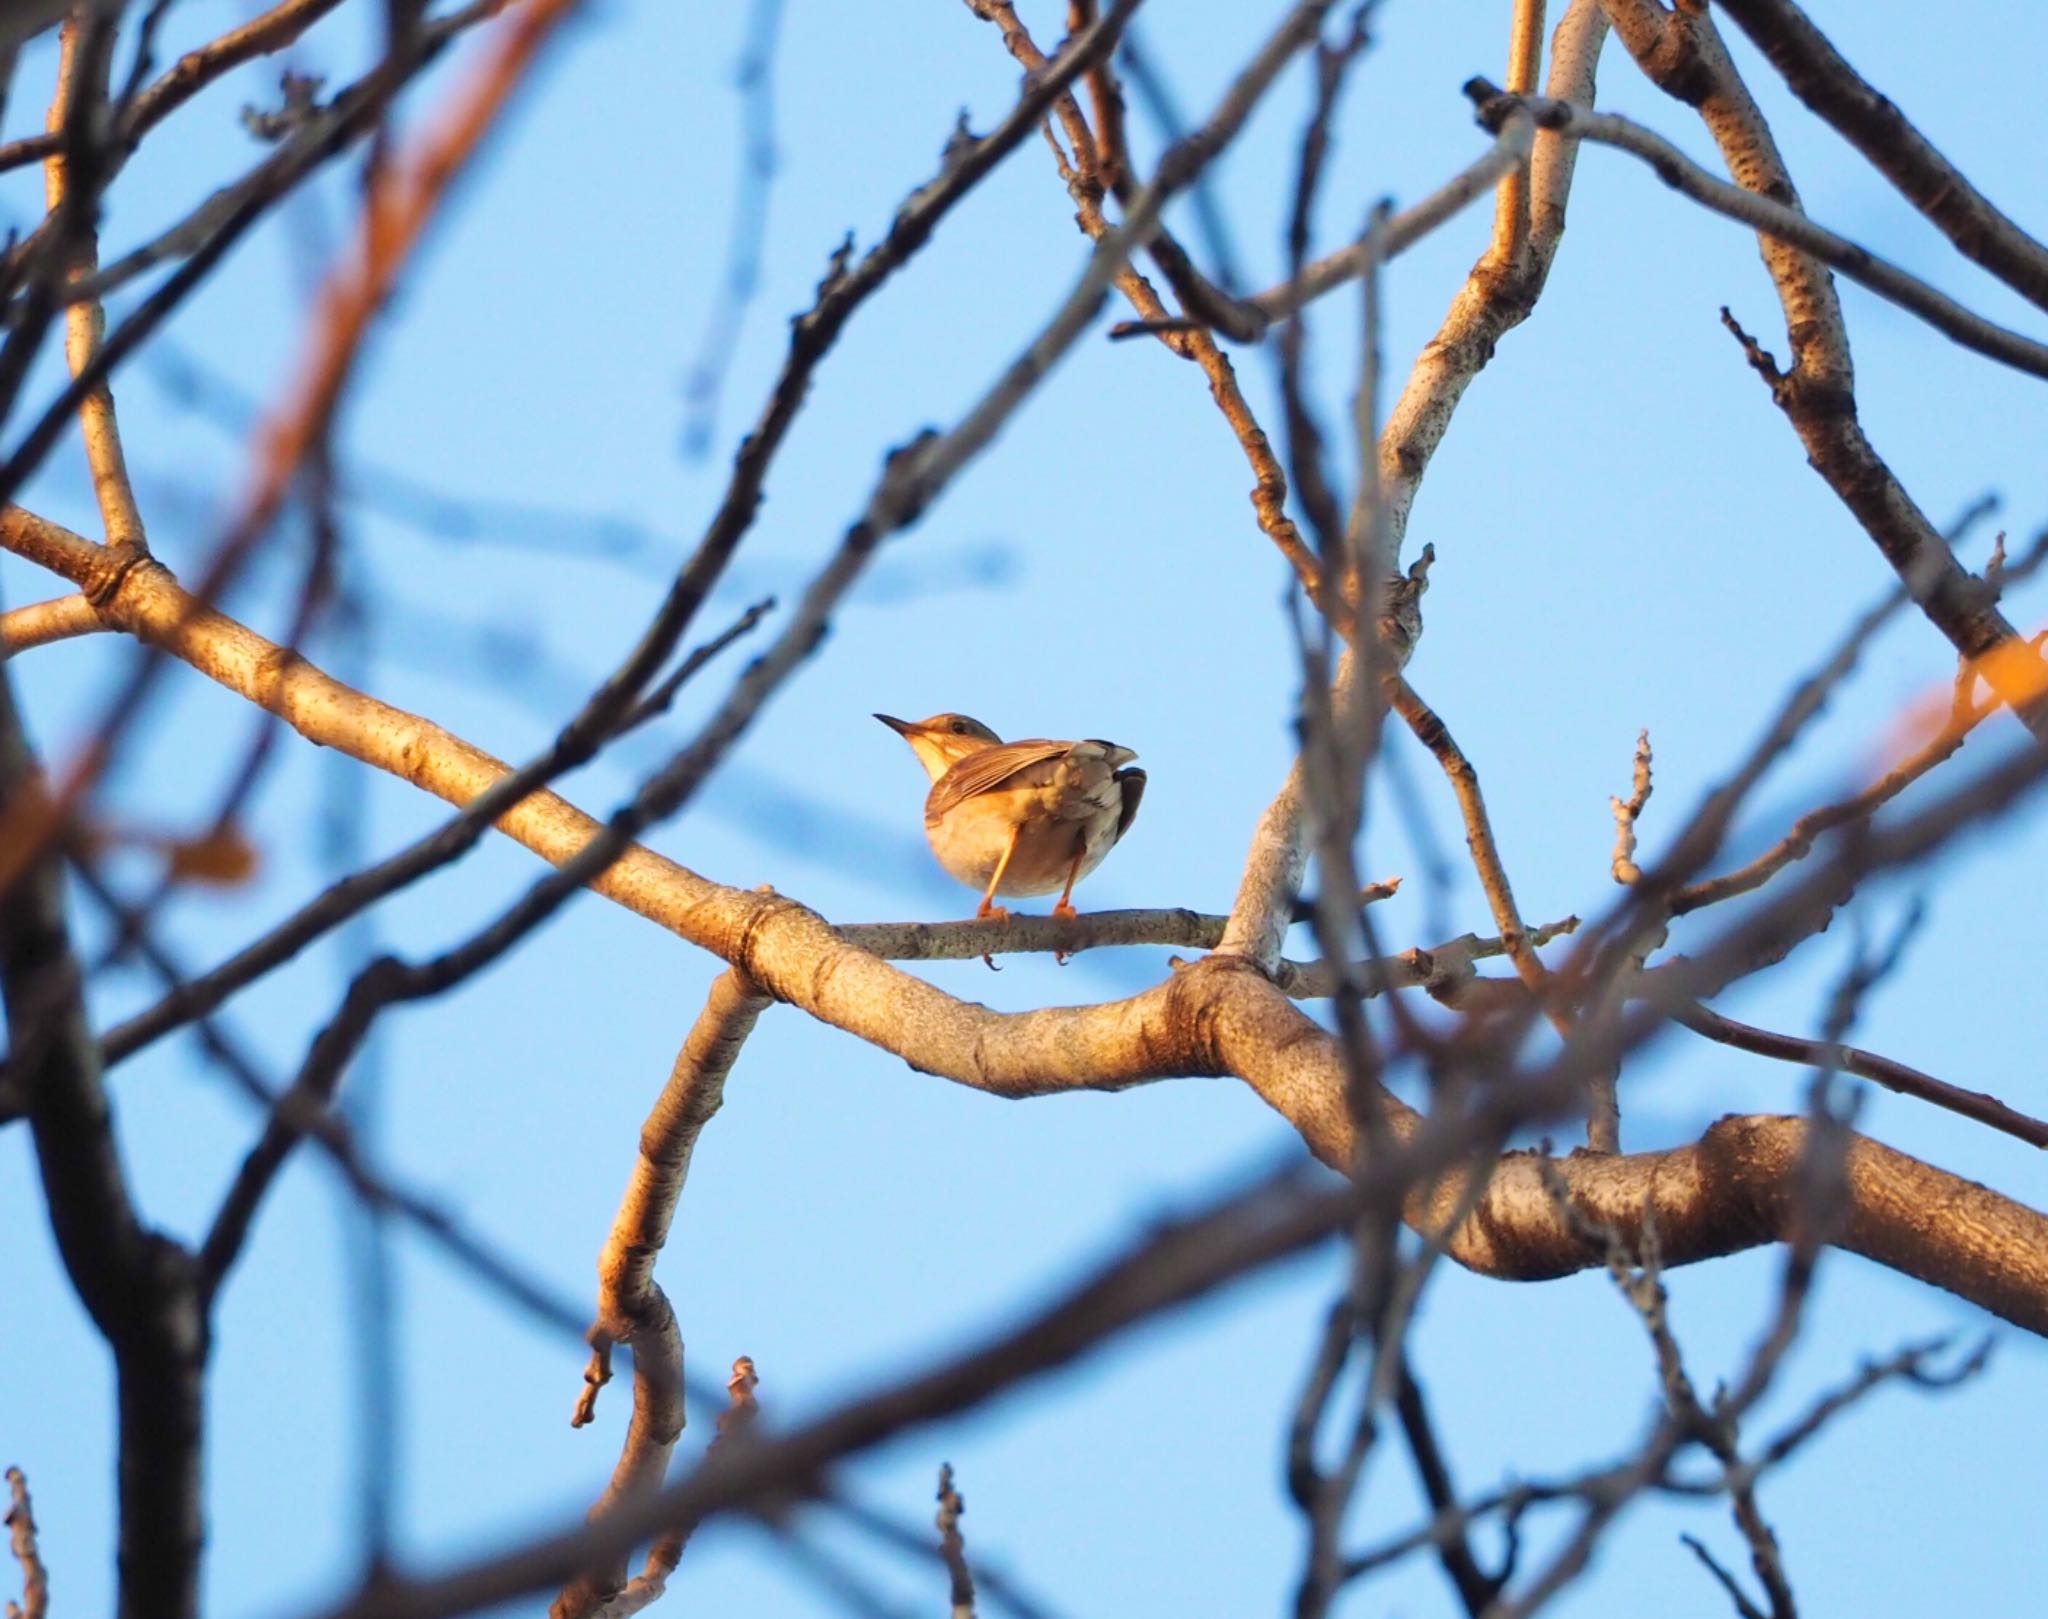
(1133, 784)
(987, 770)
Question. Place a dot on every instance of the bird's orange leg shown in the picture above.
(1065, 907)
(988, 907)
(1065, 904)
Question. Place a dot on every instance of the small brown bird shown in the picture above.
(1020, 817)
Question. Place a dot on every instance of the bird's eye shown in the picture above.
(959, 727)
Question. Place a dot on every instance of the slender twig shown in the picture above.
(1894, 1076)
(663, 1557)
(755, 80)
(1807, 830)
(1475, 1587)
(952, 1505)
(84, 320)
(1254, 316)
(1745, 1608)
(1430, 730)
(21, 1537)
(1628, 811)
(1087, 187)
(191, 73)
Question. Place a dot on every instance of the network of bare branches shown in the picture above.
(1417, 1075)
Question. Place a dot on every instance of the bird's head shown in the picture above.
(942, 741)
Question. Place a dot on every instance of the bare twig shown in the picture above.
(1087, 185)
(664, 1556)
(263, 35)
(1475, 1587)
(755, 80)
(1743, 1606)
(1894, 1076)
(1807, 830)
(21, 1535)
(1628, 811)
(951, 1547)
(85, 321)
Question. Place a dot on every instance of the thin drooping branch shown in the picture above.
(632, 1308)
(1871, 122)
(1894, 1076)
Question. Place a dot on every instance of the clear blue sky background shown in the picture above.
(1627, 536)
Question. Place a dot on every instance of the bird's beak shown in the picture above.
(900, 727)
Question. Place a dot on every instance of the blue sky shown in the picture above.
(1627, 536)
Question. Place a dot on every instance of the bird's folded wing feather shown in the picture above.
(987, 770)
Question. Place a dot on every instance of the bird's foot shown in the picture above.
(1063, 910)
(989, 911)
